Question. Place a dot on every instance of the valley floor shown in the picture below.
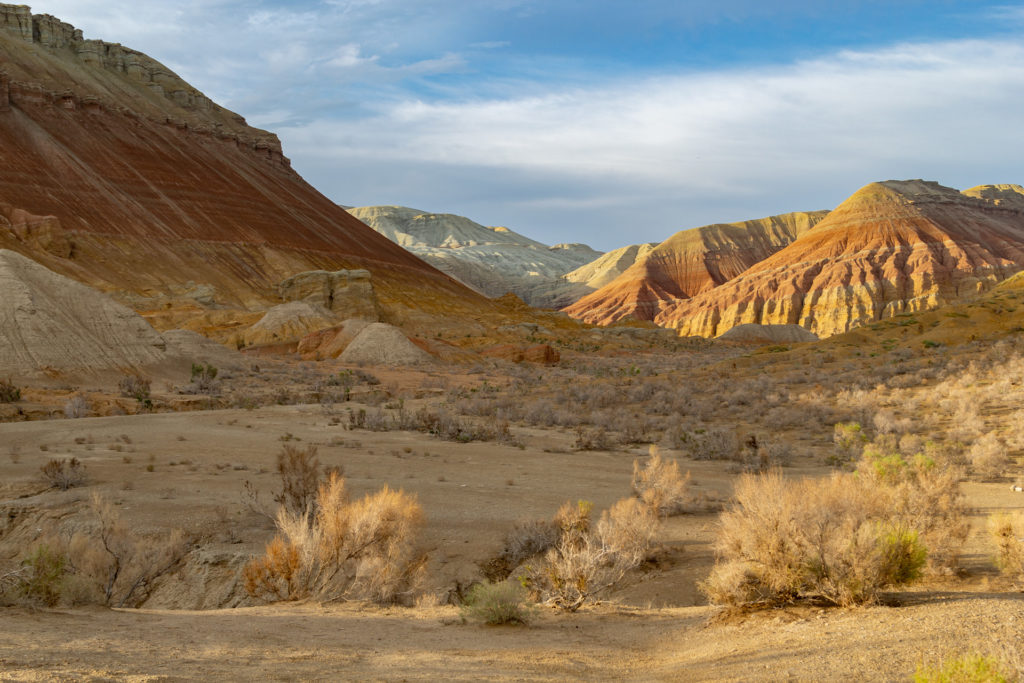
(605, 642)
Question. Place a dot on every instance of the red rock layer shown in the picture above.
(689, 263)
(893, 247)
(159, 190)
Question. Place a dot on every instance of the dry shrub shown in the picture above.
(525, 540)
(660, 485)
(341, 550)
(300, 476)
(1007, 532)
(709, 443)
(134, 386)
(589, 559)
(64, 474)
(593, 439)
(76, 407)
(114, 566)
(922, 495)
(828, 538)
(988, 457)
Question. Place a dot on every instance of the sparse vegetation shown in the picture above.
(497, 603)
(342, 550)
(973, 668)
(835, 539)
(300, 472)
(9, 393)
(1007, 531)
(660, 486)
(591, 558)
(64, 474)
(76, 407)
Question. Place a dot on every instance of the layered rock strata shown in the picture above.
(158, 190)
(689, 263)
(893, 247)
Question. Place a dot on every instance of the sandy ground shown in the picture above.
(188, 470)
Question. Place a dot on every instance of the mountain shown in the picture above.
(688, 263)
(589, 277)
(121, 175)
(893, 247)
(493, 261)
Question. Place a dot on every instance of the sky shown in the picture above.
(599, 121)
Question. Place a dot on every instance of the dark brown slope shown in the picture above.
(157, 189)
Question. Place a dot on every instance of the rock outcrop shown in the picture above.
(493, 261)
(689, 263)
(383, 344)
(289, 322)
(154, 186)
(348, 293)
(893, 247)
(54, 327)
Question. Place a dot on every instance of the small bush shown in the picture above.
(831, 538)
(64, 474)
(660, 485)
(43, 581)
(134, 386)
(497, 603)
(849, 440)
(526, 540)
(8, 392)
(116, 567)
(1007, 532)
(988, 457)
(204, 379)
(342, 550)
(76, 407)
(590, 559)
(967, 669)
(300, 478)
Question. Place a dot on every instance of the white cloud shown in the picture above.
(934, 101)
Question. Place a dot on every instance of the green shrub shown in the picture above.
(8, 392)
(967, 669)
(44, 580)
(498, 603)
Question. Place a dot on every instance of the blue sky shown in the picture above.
(598, 121)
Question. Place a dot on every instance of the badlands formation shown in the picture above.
(689, 263)
(893, 247)
(491, 260)
(106, 151)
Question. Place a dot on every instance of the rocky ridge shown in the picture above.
(108, 152)
(894, 247)
(491, 260)
(688, 263)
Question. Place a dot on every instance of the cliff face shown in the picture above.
(893, 247)
(689, 263)
(121, 175)
(493, 261)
